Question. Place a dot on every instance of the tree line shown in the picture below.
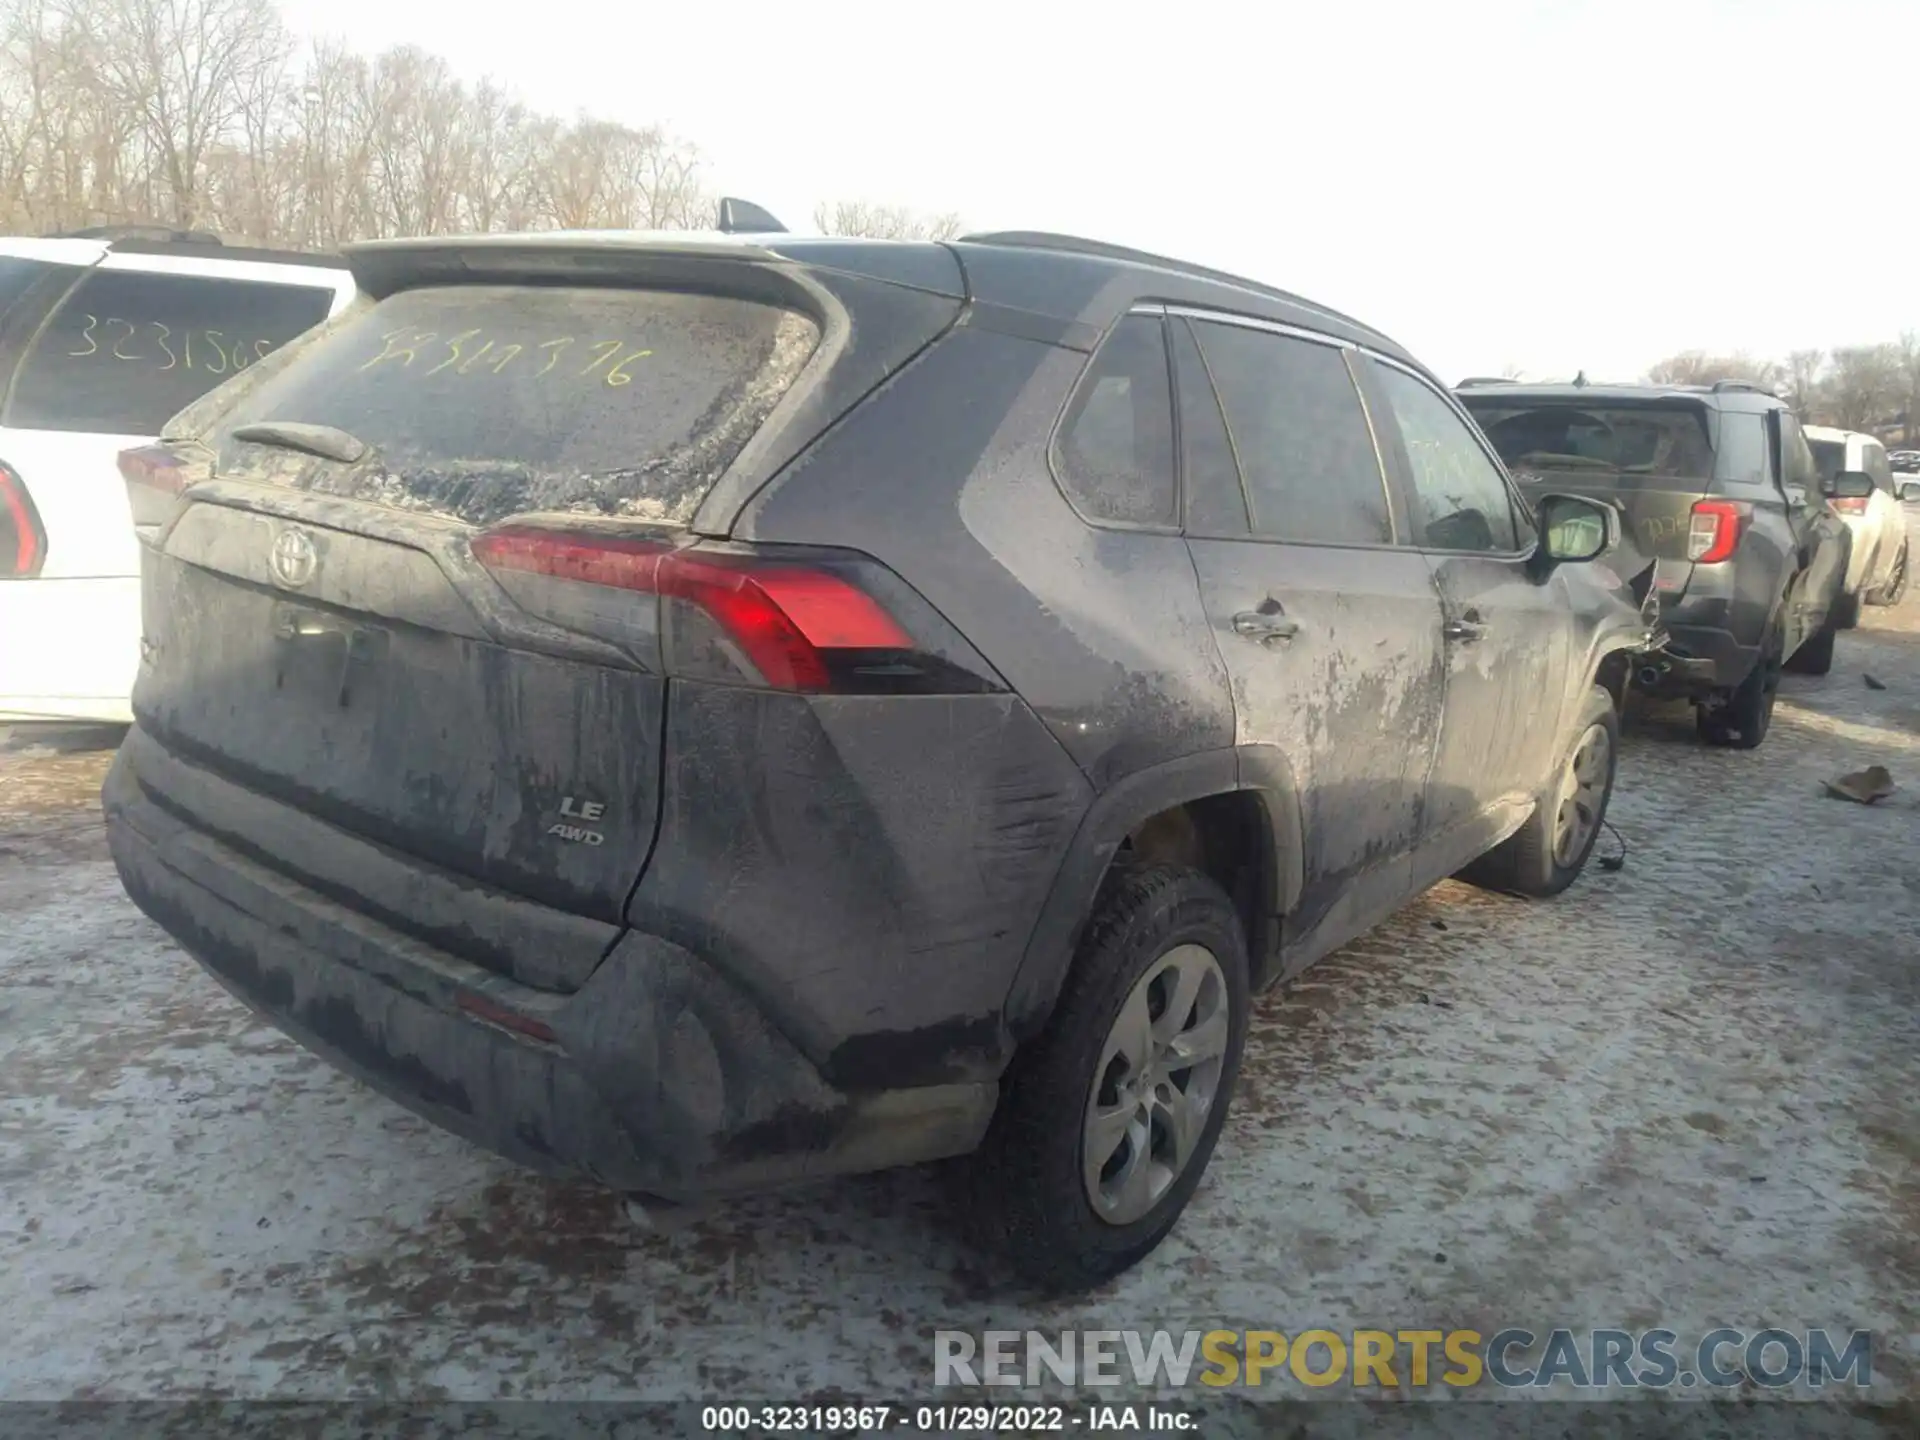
(1856, 387)
(210, 115)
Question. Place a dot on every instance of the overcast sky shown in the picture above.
(1555, 185)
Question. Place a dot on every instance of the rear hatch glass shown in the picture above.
(477, 402)
(366, 688)
(1830, 456)
(1653, 461)
(129, 348)
(1627, 445)
(19, 275)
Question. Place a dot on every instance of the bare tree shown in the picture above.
(1801, 378)
(198, 113)
(884, 222)
(1908, 355)
(1696, 367)
(1866, 386)
(185, 69)
(600, 175)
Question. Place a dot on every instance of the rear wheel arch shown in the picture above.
(1231, 814)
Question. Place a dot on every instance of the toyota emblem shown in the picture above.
(293, 558)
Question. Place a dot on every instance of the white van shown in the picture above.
(104, 335)
(1877, 571)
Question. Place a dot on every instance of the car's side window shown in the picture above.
(1797, 465)
(130, 348)
(1743, 458)
(1460, 498)
(1879, 469)
(1216, 500)
(1115, 452)
(1311, 469)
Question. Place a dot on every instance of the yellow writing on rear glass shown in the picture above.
(166, 347)
(474, 352)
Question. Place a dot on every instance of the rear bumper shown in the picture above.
(1705, 649)
(660, 1078)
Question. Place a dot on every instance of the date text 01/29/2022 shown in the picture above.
(938, 1419)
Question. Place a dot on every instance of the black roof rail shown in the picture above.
(1076, 245)
(1473, 380)
(150, 233)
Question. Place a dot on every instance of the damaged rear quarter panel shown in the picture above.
(867, 868)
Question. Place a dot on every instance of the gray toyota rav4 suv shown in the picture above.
(714, 712)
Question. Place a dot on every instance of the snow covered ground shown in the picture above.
(1682, 1095)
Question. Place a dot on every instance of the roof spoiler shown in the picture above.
(743, 217)
(1473, 380)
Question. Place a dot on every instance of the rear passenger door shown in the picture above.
(1506, 634)
(1330, 630)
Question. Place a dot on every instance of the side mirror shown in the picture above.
(1573, 528)
(1849, 485)
(1910, 489)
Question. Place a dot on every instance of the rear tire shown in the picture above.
(1106, 1075)
(1547, 854)
(1846, 612)
(1895, 589)
(1816, 656)
(1742, 722)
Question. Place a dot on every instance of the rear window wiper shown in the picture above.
(322, 440)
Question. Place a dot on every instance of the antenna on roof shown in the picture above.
(743, 217)
(1581, 379)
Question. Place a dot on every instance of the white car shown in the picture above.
(1877, 570)
(1906, 473)
(103, 337)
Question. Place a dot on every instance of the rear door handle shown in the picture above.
(1464, 631)
(1267, 629)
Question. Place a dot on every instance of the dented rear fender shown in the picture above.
(1120, 810)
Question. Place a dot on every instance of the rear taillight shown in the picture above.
(23, 541)
(156, 476)
(786, 618)
(1850, 504)
(1714, 531)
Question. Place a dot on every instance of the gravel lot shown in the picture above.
(1683, 1095)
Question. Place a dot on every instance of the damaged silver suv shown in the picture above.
(716, 712)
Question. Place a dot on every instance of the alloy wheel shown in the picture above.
(1583, 790)
(1156, 1083)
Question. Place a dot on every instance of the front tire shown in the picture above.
(1547, 854)
(1107, 1120)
